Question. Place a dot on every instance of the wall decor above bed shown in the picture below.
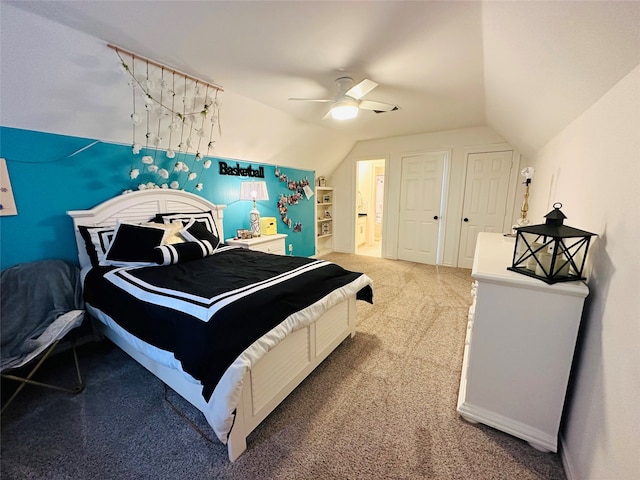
(175, 121)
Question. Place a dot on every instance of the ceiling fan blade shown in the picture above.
(361, 89)
(312, 99)
(378, 107)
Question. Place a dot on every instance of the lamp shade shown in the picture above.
(254, 191)
(552, 252)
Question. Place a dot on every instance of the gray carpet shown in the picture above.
(382, 406)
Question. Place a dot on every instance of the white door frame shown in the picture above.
(354, 201)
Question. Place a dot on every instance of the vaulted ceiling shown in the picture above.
(526, 69)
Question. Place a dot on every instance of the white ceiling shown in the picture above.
(526, 69)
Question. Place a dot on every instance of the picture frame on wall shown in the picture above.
(7, 202)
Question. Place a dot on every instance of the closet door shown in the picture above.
(488, 188)
(420, 205)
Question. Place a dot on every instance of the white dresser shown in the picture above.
(519, 347)
(263, 243)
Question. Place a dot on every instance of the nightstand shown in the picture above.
(265, 243)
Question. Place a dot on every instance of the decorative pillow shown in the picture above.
(96, 241)
(203, 217)
(173, 229)
(134, 245)
(195, 230)
(182, 252)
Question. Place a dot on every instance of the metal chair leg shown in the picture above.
(27, 380)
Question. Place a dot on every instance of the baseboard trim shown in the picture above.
(567, 464)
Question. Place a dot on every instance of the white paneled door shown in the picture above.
(420, 205)
(488, 187)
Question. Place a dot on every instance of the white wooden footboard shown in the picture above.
(279, 372)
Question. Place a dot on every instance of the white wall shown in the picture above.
(593, 168)
(58, 80)
(457, 142)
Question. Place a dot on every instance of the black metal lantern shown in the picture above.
(552, 252)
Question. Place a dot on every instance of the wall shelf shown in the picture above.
(324, 220)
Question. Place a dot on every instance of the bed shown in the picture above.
(170, 330)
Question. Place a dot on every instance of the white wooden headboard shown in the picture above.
(140, 206)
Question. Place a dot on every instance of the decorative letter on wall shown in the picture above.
(7, 203)
(174, 118)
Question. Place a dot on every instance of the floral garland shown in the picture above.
(287, 200)
(179, 117)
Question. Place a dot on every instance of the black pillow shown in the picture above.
(182, 252)
(195, 230)
(134, 245)
(96, 241)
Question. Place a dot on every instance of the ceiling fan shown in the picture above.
(347, 102)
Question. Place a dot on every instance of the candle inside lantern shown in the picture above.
(532, 264)
(545, 262)
(562, 265)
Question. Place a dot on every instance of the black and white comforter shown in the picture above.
(208, 311)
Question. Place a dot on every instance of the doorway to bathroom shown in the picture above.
(369, 207)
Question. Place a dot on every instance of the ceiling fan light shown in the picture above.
(344, 111)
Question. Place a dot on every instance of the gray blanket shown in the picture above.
(33, 295)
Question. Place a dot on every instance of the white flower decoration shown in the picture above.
(153, 138)
(199, 187)
(142, 186)
(200, 132)
(175, 185)
(206, 164)
(192, 176)
(135, 118)
(178, 167)
(151, 185)
(133, 174)
(165, 186)
(136, 148)
(152, 168)
(147, 159)
(163, 173)
(171, 154)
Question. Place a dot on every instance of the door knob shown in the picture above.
(435, 217)
(465, 219)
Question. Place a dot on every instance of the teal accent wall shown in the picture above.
(51, 174)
